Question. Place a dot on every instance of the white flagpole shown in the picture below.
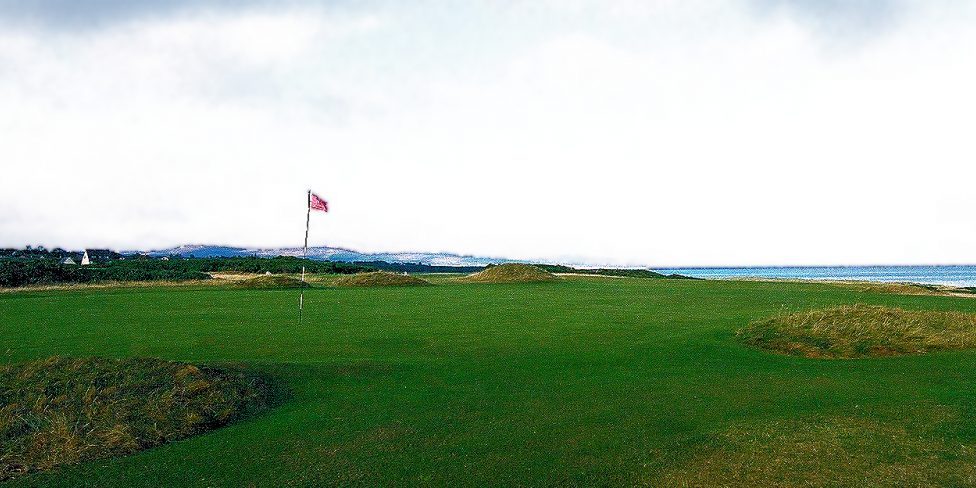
(308, 214)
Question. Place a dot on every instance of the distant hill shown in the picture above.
(325, 253)
(412, 262)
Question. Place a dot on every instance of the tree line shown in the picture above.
(34, 270)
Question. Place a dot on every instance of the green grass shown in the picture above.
(61, 411)
(853, 331)
(586, 381)
(827, 451)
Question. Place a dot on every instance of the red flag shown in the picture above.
(315, 202)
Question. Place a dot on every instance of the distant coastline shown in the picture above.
(948, 275)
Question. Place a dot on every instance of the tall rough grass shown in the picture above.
(379, 278)
(62, 411)
(861, 330)
(271, 282)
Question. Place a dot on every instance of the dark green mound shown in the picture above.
(271, 282)
(853, 331)
(379, 278)
(511, 273)
(63, 411)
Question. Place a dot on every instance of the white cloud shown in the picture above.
(666, 133)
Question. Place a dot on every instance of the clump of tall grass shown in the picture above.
(271, 282)
(854, 331)
(62, 410)
(379, 278)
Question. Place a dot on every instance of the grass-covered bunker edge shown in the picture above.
(854, 331)
(60, 411)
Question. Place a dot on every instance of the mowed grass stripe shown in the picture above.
(587, 380)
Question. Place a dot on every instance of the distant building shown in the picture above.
(85, 261)
(68, 260)
(101, 255)
(164, 258)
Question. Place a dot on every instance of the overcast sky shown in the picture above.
(668, 132)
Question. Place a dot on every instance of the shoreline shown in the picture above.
(899, 287)
(218, 279)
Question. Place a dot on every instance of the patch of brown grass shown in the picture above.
(378, 278)
(62, 411)
(233, 276)
(271, 282)
(904, 288)
(853, 331)
(111, 284)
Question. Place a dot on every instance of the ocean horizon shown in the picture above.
(950, 275)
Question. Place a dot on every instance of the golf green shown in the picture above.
(586, 381)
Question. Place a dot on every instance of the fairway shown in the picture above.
(585, 381)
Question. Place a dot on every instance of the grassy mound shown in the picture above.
(511, 273)
(379, 278)
(825, 451)
(271, 282)
(62, 411)
(862, 330)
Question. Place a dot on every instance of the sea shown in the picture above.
(955, 275)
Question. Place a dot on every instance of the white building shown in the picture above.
(84, 259)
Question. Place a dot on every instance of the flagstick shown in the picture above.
(308, 214)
